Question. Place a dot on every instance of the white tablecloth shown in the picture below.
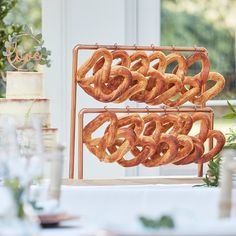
(195, 209)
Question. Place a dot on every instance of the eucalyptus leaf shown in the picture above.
(7, 44)
(5, 54)
(230, 116)
(231, 107)
(38, 36)
(30, 66)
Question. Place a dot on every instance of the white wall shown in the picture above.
(68, 22)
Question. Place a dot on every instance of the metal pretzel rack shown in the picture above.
(153, 48)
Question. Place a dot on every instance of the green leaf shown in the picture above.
(7, 44)
(27, 29)
(230, 116)
(231, 107)
(38, 36)
(5, 54)
(30, 66)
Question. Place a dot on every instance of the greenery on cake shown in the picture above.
(5, 30)
(25, 51)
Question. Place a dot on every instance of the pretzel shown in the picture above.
(157, 159)
(88, 64)
(185, 147)
(193, 58)
(186, 95)
(138, 84)
(154, 87)
(155, 129)
(203, 57)
(170, 92)
(135, 121)
(204, 125)
(122, 87)
(108, 138)
(161, 65)
(220, 142)
(117, 54)
(213, 91)
(142, 66)
(148, 146)
(195, 154)
(184, 124)
(129, 140)
(180, 59)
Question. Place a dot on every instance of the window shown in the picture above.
(207, 23)
(26, 12)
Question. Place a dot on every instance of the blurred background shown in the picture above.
(64, 23)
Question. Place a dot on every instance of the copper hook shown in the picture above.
(96, 44)
(115, 45)
(153, 47)
(195, 107)
(147, 108)
(164, 107)
(135, 46)
(127, 108)
(177, 108)
(105, 108)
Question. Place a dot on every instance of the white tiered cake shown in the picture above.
(24, 99)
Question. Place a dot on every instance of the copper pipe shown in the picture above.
(73, 113)
(143, 48)
(144, 110)
(80, 146)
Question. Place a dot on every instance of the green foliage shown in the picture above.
(231, 136)
(5, 7)
(17, 190)
(5, 30)
(232, 114)
(162, 222)
(184, 25)
(212, 177)
(23, 44)
(20, 14)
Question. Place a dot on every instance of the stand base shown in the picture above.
(135, 181)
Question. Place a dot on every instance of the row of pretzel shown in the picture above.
(152, 140)
(143, 78)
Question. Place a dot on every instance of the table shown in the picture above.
(195, 209)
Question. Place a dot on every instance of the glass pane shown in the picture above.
(26, 12)
(205, 23)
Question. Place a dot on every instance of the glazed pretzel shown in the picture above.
(220, 142)
(161, 64)
(147, 140)
(186, 94)
(133, 77)
(148, 146)
(117, 54)
(213, 91)
(195, 154)
(176, 86)
(204, 125)
(108, 138)
(157, 159)
(142, 64)
(154, 87)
